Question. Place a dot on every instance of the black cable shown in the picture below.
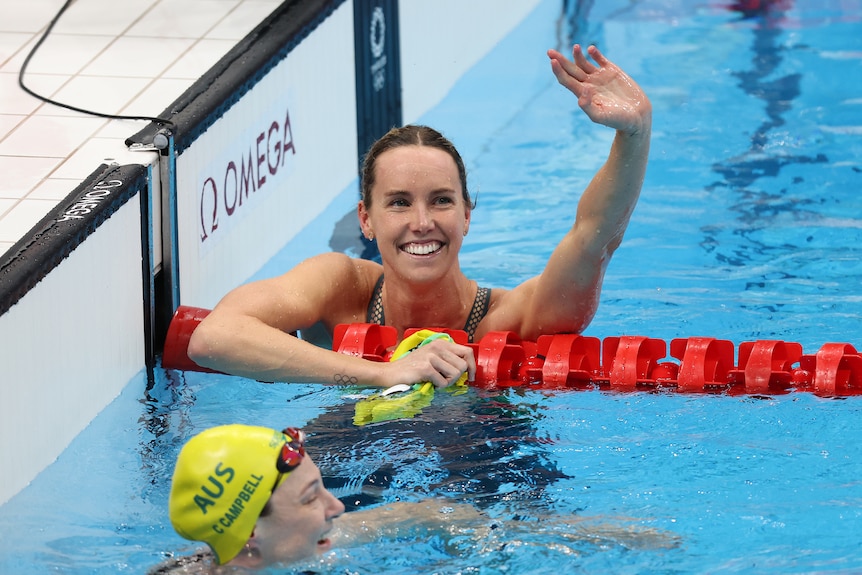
(68, 106)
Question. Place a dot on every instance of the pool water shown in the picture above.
(748, 228)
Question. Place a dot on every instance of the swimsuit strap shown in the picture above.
(374, 314)
(375, 304)
(480, 308)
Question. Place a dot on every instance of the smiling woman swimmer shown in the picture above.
(415, 204)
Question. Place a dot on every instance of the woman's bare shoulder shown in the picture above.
(527, 311)
(336, 285)
(336, 263)
(331, 269)
(505, 310)
(329, 287)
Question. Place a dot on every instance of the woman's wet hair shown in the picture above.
(410, 135)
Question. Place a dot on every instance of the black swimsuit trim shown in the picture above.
(374, 314)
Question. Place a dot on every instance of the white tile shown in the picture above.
(11, 43)
(6, 204)
(20, 175)
(27, 16)
(181, 18)
(14, 100)
(60, 54)
(243, 19)
(53, 189)
(101, 17)
(97, 94)
(138, 57)
(9, 122)
(198, 59)
(22, 217)
(96, 151)
(50, 136)
(157, 97)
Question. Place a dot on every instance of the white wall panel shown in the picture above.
(69, 346)
(314, 85)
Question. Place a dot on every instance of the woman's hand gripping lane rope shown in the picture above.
(402, 401)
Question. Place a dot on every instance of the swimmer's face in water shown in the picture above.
(296, 521)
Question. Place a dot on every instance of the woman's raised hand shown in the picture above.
(605, 93)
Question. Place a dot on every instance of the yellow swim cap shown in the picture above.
(223, 478)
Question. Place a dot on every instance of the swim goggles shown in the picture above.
(292, 451)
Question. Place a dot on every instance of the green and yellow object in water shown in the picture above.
(403, 401)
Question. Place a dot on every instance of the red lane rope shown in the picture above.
(620, 363)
